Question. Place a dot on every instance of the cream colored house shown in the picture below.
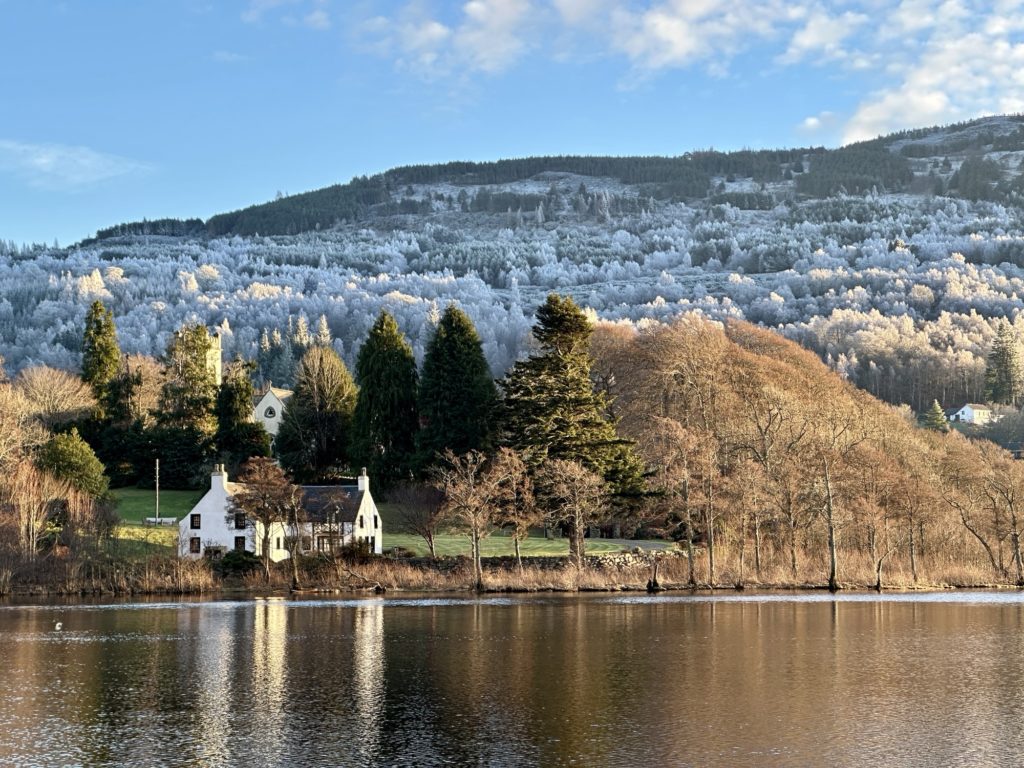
(971, 413)
(269, 409)
(336, 516)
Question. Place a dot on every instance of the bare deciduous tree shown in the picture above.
(55, 396)
(467, 498)
(266, 498)
(419, 511)
(577, 497)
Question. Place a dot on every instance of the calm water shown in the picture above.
(592, 681)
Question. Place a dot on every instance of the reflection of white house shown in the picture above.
(336, 516)
(269, 408)
(970, 413)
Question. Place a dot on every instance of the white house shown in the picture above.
(970, 413)
(269, 409)
(336, 516)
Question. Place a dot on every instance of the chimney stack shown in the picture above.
(364, 482)
(219, 477)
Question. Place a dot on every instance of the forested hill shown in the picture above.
(894, 260)
(976, 160)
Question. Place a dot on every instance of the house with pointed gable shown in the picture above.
(268, 409)
(336, 516)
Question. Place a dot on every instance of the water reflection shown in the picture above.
(606, 681)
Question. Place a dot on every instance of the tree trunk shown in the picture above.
(691, 577)
(478, 570)
(709, 522)
(757, 545)
(791, 519)
(743, 549)
(266, 554)
(519, 555)
(913, 553)
(1015, 542)
(430, 547)
(833, 568)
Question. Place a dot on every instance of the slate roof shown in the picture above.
(322, 500)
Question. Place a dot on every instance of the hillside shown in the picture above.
(755, 440)
(891, 259)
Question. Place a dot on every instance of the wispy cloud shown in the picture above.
(307, 13)
(63, 167)
(913, 61)
(228, 57)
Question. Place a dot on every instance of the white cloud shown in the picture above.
(817, 123)
(822, 35)
(581, 12)
(488, 36)
(317, 19)
(972, 67)
(60, 166)
(677, 33)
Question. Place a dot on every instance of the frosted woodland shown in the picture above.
(901, 292)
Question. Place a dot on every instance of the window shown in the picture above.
(307, 543)
(239, 521)
(195, 546)
(195, 522)
(278, 544)
(376, 522)
(270, 412)
(240, 543)
(360, 521)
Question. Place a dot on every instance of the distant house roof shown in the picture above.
(282, 394)
(972, 406)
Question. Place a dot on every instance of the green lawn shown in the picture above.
(494, 545)
(136, 504)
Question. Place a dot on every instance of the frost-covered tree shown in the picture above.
(1004, 373)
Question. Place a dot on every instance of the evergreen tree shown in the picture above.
(935, 418)
(312, 442)
(186, 419)
(189, 394)
(68, 457)
(385, 420)
(238, 437)
(1004, 374)
(323, 332)
(551, 410)
(101, 355)
(456, 393)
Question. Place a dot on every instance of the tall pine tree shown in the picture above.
(312, 442)
(101, 354)
(183, 439)
(456, 394)
(1004, 374)
(551, 410)
(189, 393)
(385, 419)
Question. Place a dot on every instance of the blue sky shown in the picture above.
(114, 110)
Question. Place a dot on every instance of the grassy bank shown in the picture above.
(134, 505)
